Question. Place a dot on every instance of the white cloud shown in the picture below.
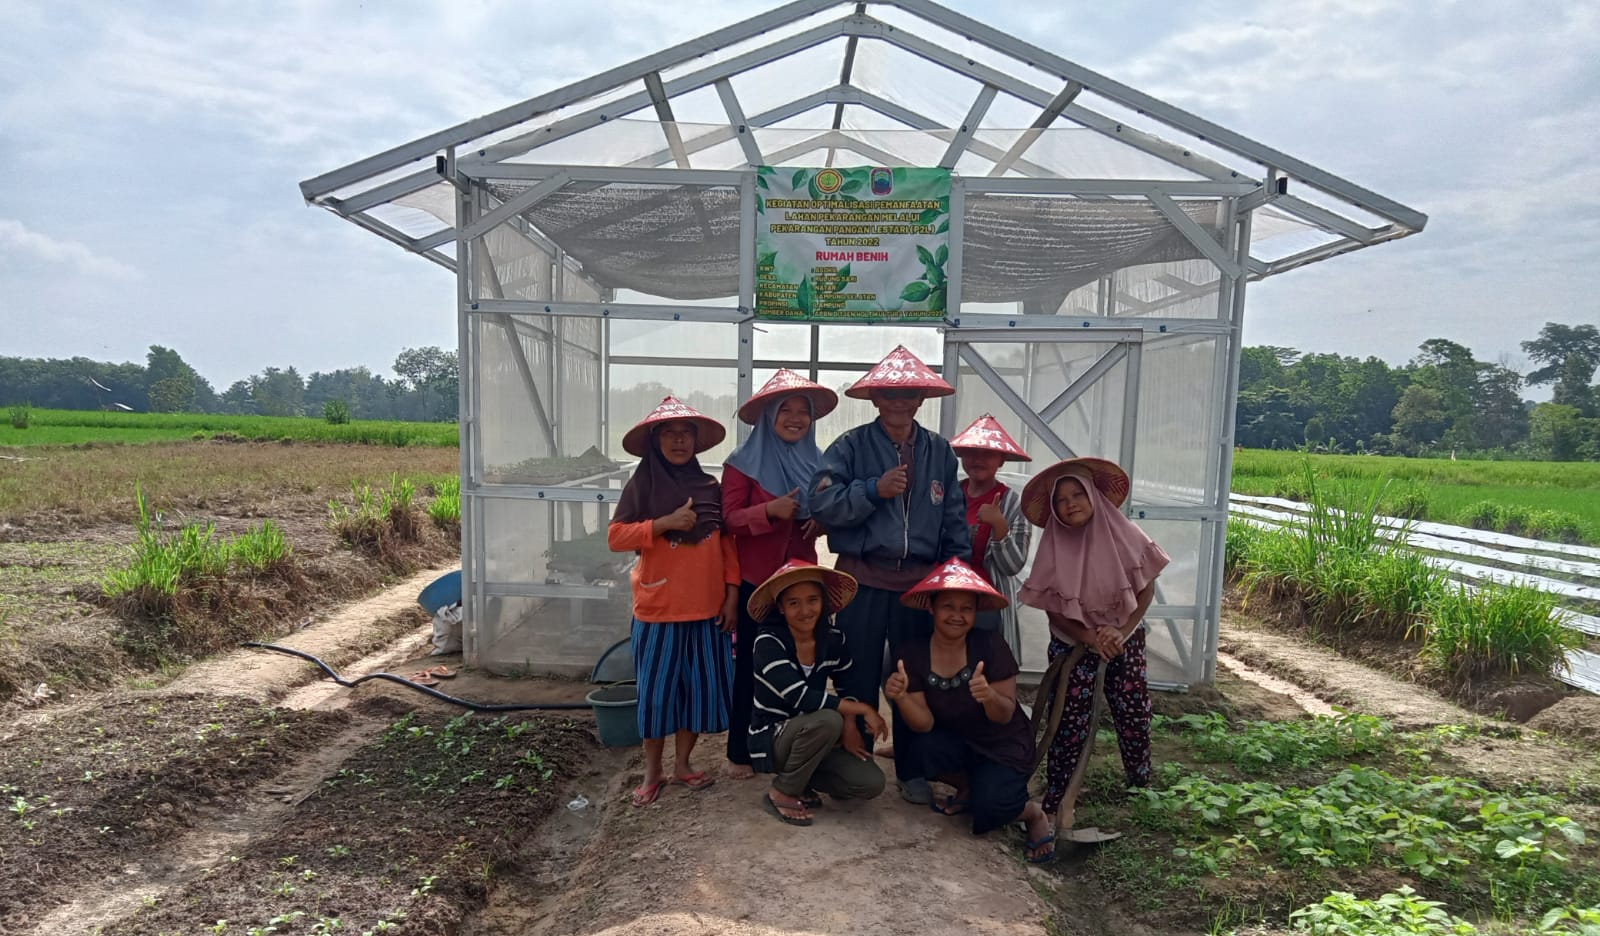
(196, 121)
(18, 241)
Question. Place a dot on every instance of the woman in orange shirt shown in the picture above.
(685, 589)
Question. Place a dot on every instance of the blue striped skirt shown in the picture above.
(685, 674)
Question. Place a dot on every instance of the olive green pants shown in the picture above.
(807, 756)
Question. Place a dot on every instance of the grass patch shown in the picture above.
(386, 523)
(164, 562)
(77, 427)
(1544, 500)
(1344, 576)
(1502, 629)
(445, 508)
(1521, 520)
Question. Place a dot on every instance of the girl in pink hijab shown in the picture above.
(1094, 577)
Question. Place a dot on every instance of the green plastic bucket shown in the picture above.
(616, 714)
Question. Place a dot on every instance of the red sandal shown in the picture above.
(647, 794)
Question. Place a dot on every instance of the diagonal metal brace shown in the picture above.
(1018, 405)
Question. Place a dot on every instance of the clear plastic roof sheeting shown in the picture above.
(815, 82)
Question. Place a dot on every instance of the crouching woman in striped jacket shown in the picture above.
(800, 731)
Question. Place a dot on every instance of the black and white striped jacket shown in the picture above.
(782, 688)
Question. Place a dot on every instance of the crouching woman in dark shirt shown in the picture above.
(800, 731)
(959, 690)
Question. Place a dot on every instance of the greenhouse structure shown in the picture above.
(1090, 290)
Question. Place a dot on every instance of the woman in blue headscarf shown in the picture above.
(765, 488)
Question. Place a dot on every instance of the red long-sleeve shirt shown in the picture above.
(763, 544)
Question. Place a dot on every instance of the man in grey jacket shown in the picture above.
(889, 496)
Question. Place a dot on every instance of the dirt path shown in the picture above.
(1308, 702)
(716, 863)
(1340, 681)
(266, 676)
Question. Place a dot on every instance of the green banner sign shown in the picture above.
(863, 243)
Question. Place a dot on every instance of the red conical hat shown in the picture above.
(953, 575)
(840, 587)
(786, 383)
(987, 435)
(710, 433)
(900, 370)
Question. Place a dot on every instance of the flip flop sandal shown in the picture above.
(811, 799)
(1031, 844)
(776, 810)
(423, 678)
(440, 672)
(645, 795)
(696, 781)
(1091, 836)
(951, 806)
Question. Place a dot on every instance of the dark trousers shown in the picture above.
(874, 624)
(998, 793)
(744, 681)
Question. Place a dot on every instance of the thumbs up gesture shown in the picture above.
(785, 507)
(898, 682)
(979, 686)
(893, 482)
(682, 519)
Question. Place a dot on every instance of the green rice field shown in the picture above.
(1546, 500)
(76, 427)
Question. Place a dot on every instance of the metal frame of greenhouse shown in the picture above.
(1101, 242)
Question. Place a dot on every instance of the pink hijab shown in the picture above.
(1092, 574)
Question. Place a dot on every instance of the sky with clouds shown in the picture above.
(150, 154)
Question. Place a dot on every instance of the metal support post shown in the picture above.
(952, 302)
(1208, 656)
(467, 365)
(747, 295)
(558, 286)
(1127, 448)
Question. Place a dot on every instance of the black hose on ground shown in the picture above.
(426, 690)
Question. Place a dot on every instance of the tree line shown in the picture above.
(1443, 401)
(422, 389)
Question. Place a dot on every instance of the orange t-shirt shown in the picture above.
(676, 581)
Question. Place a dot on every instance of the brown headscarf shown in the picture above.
(658, 487)
(1092, 574)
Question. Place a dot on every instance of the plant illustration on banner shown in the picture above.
(852, 243)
